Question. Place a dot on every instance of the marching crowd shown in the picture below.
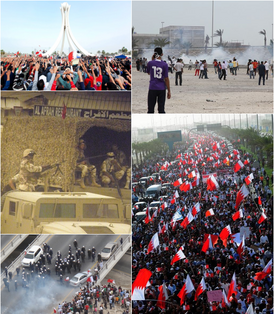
(55, 73)
(208, 246)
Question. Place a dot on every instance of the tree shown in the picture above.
(187, 45)
(123, 50)
(160, 42)
(103, 52)
(99, 52)
(263, 32)
(2, 52)
(219, 33)
(206, 42)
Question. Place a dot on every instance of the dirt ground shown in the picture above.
(238, 94)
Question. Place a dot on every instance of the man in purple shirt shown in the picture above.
(159, 81)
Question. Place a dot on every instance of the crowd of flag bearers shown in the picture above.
(208, 247)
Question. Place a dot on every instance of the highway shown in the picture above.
(50, 292)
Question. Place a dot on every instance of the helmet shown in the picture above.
(28, 152)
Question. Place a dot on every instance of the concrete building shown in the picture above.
(175, 34)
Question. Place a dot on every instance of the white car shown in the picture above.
(108, 250)
(80, 278)
(32, 256)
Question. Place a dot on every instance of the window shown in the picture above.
(52, 210)
(37, 252)
(12, 208)
(100, 211)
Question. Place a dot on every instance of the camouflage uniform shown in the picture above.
(112, 167)
(86, 168)
(26, 179)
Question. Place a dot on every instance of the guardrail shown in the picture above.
(114, 259)
(38, 241)
(9, 248)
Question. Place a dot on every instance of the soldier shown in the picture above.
(99, 257)
(75, 244)
(15, 284)
(10, 275)
(27, 178)
(89, 253)
(120, 156)
(111, 171)
(50, 252)
(87, 170)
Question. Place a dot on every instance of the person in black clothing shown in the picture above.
(261, 70)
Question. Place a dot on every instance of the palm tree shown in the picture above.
(263, 32)
(219, 33)
(160, 42)
(206, 42)
(187, 45)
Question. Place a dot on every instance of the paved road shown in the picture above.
(42, 299)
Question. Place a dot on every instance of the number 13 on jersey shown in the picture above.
(157, 72)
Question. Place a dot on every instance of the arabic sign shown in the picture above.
(50, 111)
(214, 295)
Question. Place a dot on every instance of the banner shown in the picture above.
(50, 111)
(214, 295)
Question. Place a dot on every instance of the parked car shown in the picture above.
(108, 250)
(32, 256)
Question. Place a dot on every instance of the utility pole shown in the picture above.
(212, 23)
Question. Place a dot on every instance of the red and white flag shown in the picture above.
(192, 174)
(201, 288)
(207, 245)
(232, 287)
(262, 218)
(266, 271)
(154, 242)
(225, 234)
(139, 284)
(241, 195)
(178, 182)
(72, 55)
(111, 281)
(226, 161)
(224, 300)
(238, 215)
(239, 165)
(148, 218)
(163, 296)
(177, 257)
(196, 209)
(240, 249)
(209, 212)
(250, 309)
(249, 179)
(54, 310)
(212, 183)
(187, 220)
(187, 288)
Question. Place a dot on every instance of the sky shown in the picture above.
(240, 20)
(96, 25)
(142, 121)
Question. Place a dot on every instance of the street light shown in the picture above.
(162, 24)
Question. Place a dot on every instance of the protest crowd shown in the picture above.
(208, 246)
(35, 73)
(98, 298)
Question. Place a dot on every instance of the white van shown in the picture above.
(32, 256)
